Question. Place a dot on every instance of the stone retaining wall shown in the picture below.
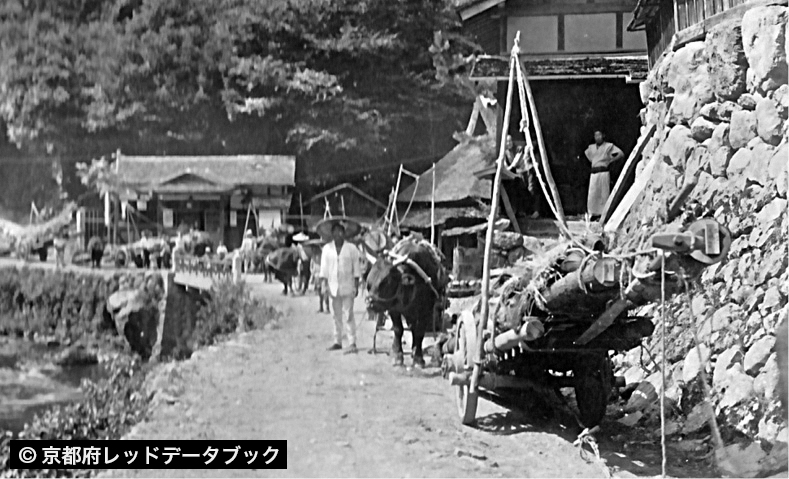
(720, 106)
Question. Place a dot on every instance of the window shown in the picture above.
(590, 33)
(539, 34)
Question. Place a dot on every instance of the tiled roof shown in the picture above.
(634, 67)
(421, 218)
(225, 172)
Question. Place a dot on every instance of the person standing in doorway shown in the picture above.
(600, 154)
(341, 275)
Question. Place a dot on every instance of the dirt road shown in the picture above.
(346, 415)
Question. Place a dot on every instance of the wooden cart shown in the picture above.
(557, 329)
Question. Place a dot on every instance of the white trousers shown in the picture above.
(343, 309)
(599, 189)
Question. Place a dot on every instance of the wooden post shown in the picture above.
(505, 200)
(543, 153)
(394, 200)
(473, 389)
(472, 122)
(246, 223)
(628, 168)
(301, 210)
(433, 209)
(342, 205)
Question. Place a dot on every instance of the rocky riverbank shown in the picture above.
(109, 406)
(719, 108)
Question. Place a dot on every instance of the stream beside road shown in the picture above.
(30, 381)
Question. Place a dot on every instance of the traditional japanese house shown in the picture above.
(583, 66)
(220, 195)
(461, 199)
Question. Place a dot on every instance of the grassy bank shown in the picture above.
(113, 405)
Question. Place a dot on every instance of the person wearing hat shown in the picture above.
(341, 275)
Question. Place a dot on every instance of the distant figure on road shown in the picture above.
(247, 249)
(96, 249)
(60, 250)
(341, 275)
(221, 250)
(145, 244)
(601, 154)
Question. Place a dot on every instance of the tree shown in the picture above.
(344, 79)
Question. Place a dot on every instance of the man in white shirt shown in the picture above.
(341, 275)
(600, 154)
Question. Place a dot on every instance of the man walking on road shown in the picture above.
(340, 273)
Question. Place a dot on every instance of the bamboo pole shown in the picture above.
(249, 211)
(342, 204)
(476, 372)
(301, 210)
(394, 200)
(433, 209)
(543, 153)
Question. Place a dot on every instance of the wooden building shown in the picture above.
(461, 198)
(220, 195)
(584, 67)
(674, 23)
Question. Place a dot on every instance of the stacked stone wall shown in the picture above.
(720, 106)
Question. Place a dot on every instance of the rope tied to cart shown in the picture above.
(586, 438)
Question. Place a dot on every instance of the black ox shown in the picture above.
(396, 285)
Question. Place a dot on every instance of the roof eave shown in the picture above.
(476, 8)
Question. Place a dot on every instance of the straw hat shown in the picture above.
(300, 237)
(352, 227)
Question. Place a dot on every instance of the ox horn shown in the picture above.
(398, 259)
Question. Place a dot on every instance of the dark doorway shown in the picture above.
(569, 112)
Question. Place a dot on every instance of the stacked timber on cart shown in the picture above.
(554, 319)
(508, 250)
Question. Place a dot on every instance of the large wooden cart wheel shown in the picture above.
(594, 381)
(466, 337)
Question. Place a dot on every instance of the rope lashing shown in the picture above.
(586, 438)
(400, 259)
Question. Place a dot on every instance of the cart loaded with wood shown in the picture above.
(555, 321)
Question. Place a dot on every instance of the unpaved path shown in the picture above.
(345, 416)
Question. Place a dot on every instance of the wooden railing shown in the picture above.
(691, 12)
(683, 21)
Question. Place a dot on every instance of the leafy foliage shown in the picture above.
(372, 77)
(46, 303)
(111, 407)
(231, 307)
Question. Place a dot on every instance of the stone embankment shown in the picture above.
(83, 309)
(720, 110)
(65, 307)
